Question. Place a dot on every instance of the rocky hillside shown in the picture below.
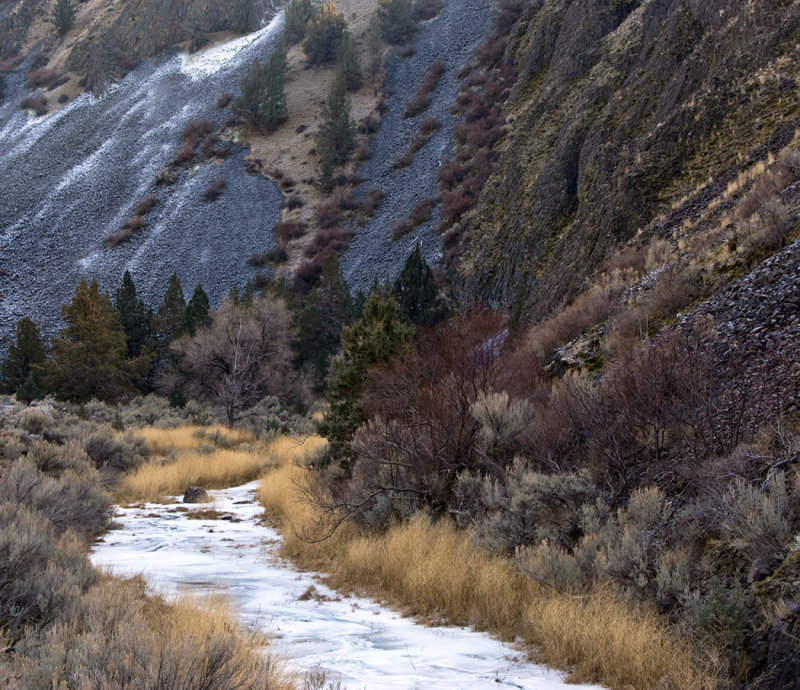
(628, 117)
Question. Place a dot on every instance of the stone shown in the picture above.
(194, 494)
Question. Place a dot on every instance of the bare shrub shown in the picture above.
(429, 125)
(109, 451)
(72, 502)
(285, 231)
(146, 205)
(327, 241)
(134, 224)
(194, 130)
(166, 177)
(214, 190)
(767, 230)
(45, 77)
(421, 212)
(362, 153)
(400, 228)
(403, 160)
(37, 103)
(586, 311)
(372, 201)
(293, 202)
(114, 239)
(223, 100)
(258, 260)
(368, 125)
(420, 101)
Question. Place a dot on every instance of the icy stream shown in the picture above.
(353, 640)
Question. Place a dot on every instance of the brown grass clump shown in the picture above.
(435, 571)
(193, 460)
(372, 201)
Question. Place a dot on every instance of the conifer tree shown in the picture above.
(324, 32)
(196, 314)
(416, 292)
(134, 315)
(319, 320)
(89, 358)
(63, 16)
(347, 63)
(262, 104)
(337, 132)
(24, 361)
(396, 20)
(373, 339)
(297, 15)
(169, 316)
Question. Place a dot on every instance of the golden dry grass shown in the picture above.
(192, 460)
(436, 572)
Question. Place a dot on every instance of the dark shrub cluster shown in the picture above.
(45, 78)
(36, 102)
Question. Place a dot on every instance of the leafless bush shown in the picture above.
(293, 202)
(223, 100)
(372, 201)
(45, 77)
(146, 205)
(368, 125)
(285, 231)
(166, 177)
(37, 103)
(214, 190)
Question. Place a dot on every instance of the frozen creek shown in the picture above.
(353, 640)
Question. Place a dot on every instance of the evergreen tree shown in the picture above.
(319, 320)
(337, 132)
(324, 32)
(24, 360)
(396, 20)
(416, 292)
(347, 63)
(262, 104)
(30, 390)
(134, 315)
(196, 314)
(89, 354)
(63, 16)
(297, 15)
(373, 339)
(168, 318)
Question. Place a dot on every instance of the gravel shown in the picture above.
(73, 177)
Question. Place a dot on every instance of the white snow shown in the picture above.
(212, 60)
(354, 640)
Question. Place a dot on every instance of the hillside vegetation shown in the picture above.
(627, 119)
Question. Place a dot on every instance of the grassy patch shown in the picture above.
(433, 570)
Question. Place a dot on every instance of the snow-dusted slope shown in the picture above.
(73, 177)
(352, 639)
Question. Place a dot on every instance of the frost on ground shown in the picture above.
(354, 640)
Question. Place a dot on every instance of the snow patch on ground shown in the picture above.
(210, 61)
(352, 639)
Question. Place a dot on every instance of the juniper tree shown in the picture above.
(262, 104)
(416, 292)
(196, 314)
(63, 16)
(167, 320)
(324, 33)
(373, 339)
(347, 63)
(24, 359)
(396, 20)
(89, 358)
(134, 315)
(318, 322)
(337, 132)
(297, 15)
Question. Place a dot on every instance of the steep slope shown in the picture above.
(621, 110)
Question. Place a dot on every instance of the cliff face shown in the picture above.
(622, 112)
